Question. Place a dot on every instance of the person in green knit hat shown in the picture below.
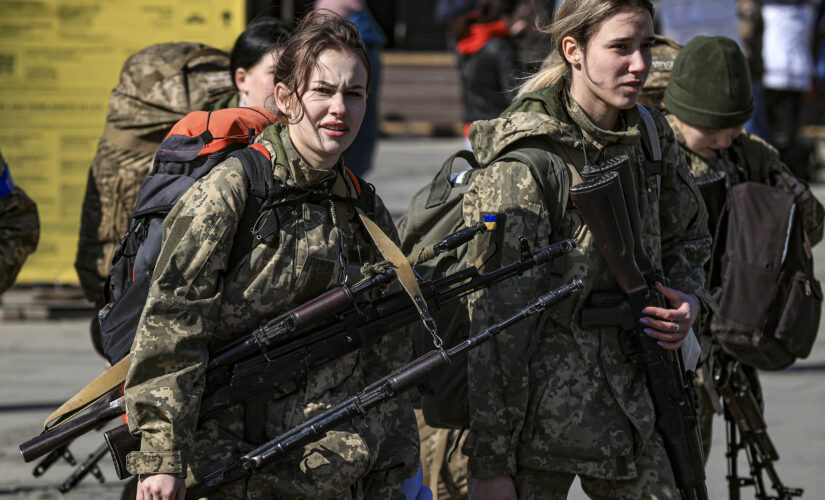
(708, 99)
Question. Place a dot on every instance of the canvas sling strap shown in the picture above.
(403, 270)
(96, 389)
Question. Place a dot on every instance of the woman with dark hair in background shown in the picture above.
(252, 63)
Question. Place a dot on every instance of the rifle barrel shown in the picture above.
(399, 381)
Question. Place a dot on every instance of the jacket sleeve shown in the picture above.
(166, 379)
(686, 242)
(769, 164)
(497, 370)
(19, 232)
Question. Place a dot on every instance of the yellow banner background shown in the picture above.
(59, 59)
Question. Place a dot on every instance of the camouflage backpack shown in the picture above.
(434, 212)
(158, 86)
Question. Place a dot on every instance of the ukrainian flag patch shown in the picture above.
(490, 221)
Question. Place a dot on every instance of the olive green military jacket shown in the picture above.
(750, 159)
(19, 232)
(549, 394)
(195, 302)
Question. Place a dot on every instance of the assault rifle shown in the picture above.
(746, 430)
(385, 389)
(288, 325)
(607, 203)
(261, 366)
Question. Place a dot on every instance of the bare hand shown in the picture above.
(671, 326)
(791, 184)
(494, 488)
(161, 487)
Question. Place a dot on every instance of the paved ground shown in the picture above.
(44, 362)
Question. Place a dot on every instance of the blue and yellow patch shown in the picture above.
(490, 221)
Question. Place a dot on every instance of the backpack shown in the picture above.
(770, 304)
(193, 147)
(158, 86)
(435, 211)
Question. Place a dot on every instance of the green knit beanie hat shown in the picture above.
(710, 86)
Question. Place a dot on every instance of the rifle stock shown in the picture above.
(609, 214)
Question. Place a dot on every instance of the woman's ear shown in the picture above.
(570, 49)
(282, 99)
(240, 79)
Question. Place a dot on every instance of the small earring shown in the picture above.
(577, 64)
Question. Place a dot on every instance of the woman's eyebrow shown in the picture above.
(327, 84)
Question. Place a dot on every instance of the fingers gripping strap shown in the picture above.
(95, 390)
(403, 269)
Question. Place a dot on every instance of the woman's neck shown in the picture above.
(310, 159)
(604, 116)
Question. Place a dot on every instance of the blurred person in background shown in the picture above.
(788, 70)
(358, 157)
(533, 46)
(487, 62)
(19, 227)
(751, 31)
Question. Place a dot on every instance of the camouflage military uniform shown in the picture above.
(194, 301)
(19, 228)
(550, 399)
(664, 53)
(748, 159)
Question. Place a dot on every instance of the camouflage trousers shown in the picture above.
(445, 467)
(655, 480)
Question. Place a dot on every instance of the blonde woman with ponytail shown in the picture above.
(555, 399)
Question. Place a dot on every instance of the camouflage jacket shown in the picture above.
(195, 301)
(576, 405)
(19, 232)
(750, 159)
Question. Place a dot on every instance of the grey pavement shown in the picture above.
(42, 363)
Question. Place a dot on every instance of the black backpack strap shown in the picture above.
(261, 187)
(650, 142)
